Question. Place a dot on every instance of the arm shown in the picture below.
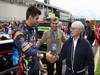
(90, 60)
(62, 55)
(23, 44)
(42, 40)
(41, 65)
(63, 37)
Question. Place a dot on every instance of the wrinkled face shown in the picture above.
(54, 25)
(75, 31)
(34, 20)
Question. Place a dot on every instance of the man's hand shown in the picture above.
(51, 57)
(40, 56)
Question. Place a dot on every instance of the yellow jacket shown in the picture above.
(46, 38)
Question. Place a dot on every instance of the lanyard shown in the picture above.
(53, 42)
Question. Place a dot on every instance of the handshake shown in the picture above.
(52, 58)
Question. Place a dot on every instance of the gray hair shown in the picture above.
(78, 24)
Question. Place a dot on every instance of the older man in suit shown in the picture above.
(78, 53)
(54, 39)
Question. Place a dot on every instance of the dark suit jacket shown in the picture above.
(90, 35)
(83, 55)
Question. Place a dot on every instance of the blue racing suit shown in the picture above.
(25, 39)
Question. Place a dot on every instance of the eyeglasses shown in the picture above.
(72, 28)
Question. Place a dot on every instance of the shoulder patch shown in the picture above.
(17, 34)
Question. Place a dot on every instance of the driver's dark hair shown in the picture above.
(33, 11)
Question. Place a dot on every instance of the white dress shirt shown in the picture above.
(74, 43)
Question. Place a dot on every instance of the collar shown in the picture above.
(76, 38)
(53, 31)
(26, 26)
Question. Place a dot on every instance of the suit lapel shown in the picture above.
(76, 53)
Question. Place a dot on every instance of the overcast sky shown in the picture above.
(89, 9)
